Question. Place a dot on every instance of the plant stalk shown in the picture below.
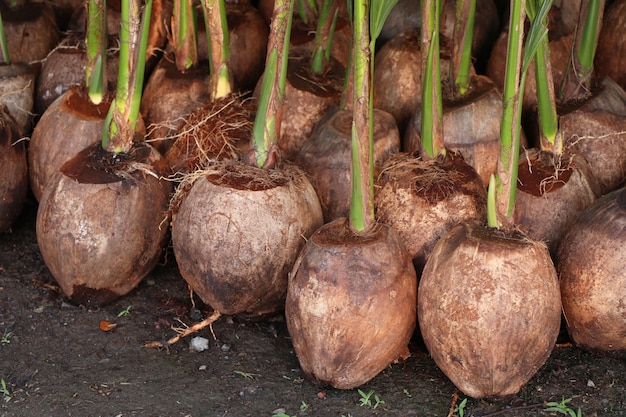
(461, 62)
(432, 108)
(96, 42)
(269, 112)
(219, 47)
(184, 35)
(121, 122)
(4, 46)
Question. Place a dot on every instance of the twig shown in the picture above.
(182, 332)
(455, 398)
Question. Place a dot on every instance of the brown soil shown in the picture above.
(55, 360)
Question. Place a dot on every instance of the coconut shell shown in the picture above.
(102, 222)
(31, 31)
(326, 157)
(69, 125)
(471, 126)
(489, 309)
(552, 194)
(17, 87)
(596, 129)
(421, 200)
(14, 184)
(591, 261)
(350, 307)
(65, 67)
(170, 96)
(238, 232)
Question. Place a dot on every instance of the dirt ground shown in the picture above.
(55, 360)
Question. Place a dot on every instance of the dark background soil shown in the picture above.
(55, 361)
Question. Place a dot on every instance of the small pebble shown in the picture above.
(202, 368)
(198, 344)
(590, 383)
(225, 347)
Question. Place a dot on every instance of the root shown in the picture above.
(187, 330)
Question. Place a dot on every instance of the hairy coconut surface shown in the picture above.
(220, 129)
(238, 231)
(489, 308)
(551, 194)
(30, 29)
(350, 306)
(70, 124)
(17, 87)
(102, 222)
(471, 126)
(597, 130)
(171, 95)
(65, 67)
(14, 184)
(326, 157)
(307, 98)
(591, 261)
(421, 200)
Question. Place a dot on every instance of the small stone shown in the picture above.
(225, 347)
(590, 383)
(202, 368)
(198, 344)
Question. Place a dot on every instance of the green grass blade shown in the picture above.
(96, 43)
(589, 40)
(3, 44)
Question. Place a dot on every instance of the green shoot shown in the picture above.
(124, 312)
(367, 25)
(184, 32)
(577, 81)
(6, 337)
(304, 406)
(121, 121)
(460, 409)
(546, 101)
(219, 47)
(461, 62)
(325, 28)
(366, 399)
(96, 42)
(432, 108)
(515, 79)
(4, 46)
(492, 212)
(6, 394)
(562, 408)
(268, 118)
(246, 375)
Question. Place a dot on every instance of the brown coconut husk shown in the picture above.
(489, 308)
(14, 184)
(423, 199)
(552, 191)
(220, 129)
(326, 157)
(591, 262)
(70, 124)
(108, 211)
(238, 262)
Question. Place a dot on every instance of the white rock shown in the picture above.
(198, 344)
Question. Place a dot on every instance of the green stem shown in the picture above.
(96, 42)
(269, 112)
(510, 129)
(546, 101)
(462, 45)
(3, 43)
(120, 125)
(432, 111)
(215, 14)
(361, 203)
(323, 32)
(184, 34)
